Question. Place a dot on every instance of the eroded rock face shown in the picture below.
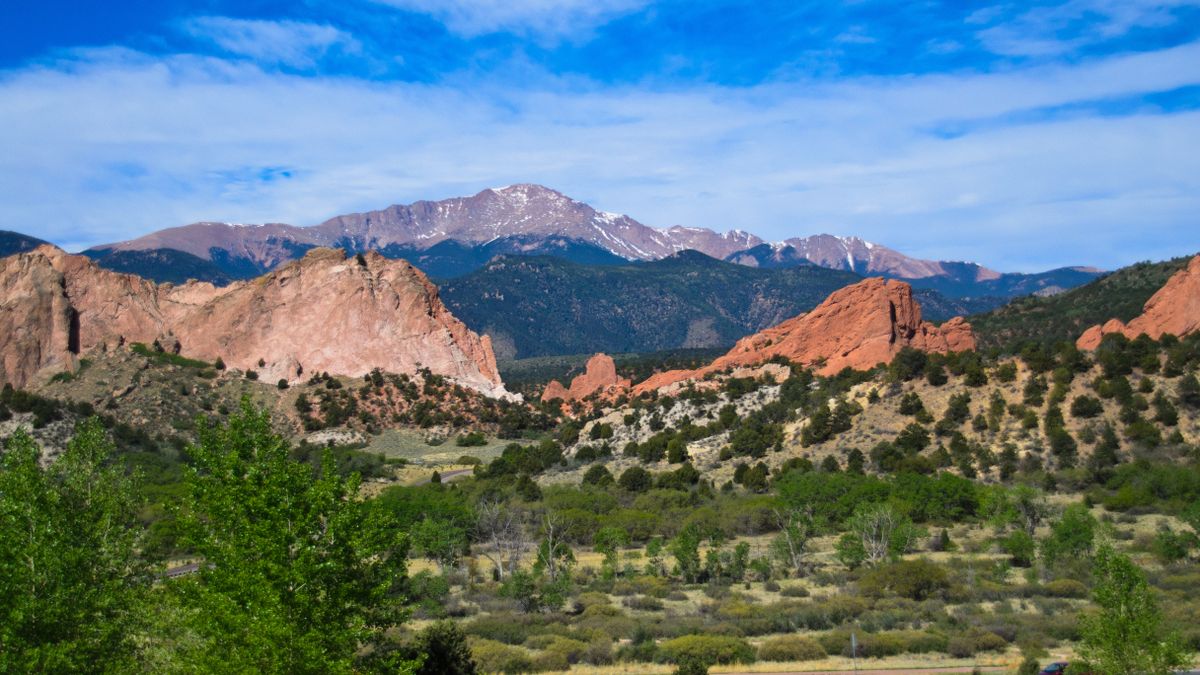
(858, 327)
(325, 312)
(1174, 309)
(599, 377)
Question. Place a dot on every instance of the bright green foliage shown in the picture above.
(685, 548)
(70, 579)
(298, 574)
(608, 542)
(536, 592)
(441, 541)
(1127, 635)
(1021, 546)
(1071, 536)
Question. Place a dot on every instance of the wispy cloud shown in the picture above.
(128, 143)
(548, 19)
(1055, 29)
(294, 44)
(942, 132)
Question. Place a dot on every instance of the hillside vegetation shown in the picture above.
(1065, 316)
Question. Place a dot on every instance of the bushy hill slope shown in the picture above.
(1064, 316)
(15, 242)
(162, 265)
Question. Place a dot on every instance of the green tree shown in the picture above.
(1071, 536)
(597, 475)
(685, 548)
(298, 573)
(608, 542)
(440, 541)
(534, 592)
(1127, 635)
(635, 479)
(70, 578)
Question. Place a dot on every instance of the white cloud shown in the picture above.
(289, 43)
(118, 144)
(547, 19)
(1039, 31)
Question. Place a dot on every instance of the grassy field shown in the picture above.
(428, 448)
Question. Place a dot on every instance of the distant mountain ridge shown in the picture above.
(456, 236)
(544, 306)
(15, 242)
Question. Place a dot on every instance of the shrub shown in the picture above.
(635, 479)
(970, 644)
(473, 439)
(643, 603)
(445, 649)
(794, 592)
(565, 649)
(790, 648)
(506, 628)
(496, 657)
(1086, 407)
(914, 579)
(1066, 588)
(708, 649)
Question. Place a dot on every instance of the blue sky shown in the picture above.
(1020, 135)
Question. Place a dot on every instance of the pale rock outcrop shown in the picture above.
(859, 326)
(1174, 309)
(324, 312)
(599, 377)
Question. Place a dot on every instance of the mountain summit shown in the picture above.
(457, 235)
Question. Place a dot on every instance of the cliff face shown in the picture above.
(324, 312)
(1174, 309)
(859, 326)
(35, 318)
(599, 376)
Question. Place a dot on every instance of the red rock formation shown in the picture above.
(599, 377)
(324, 312)
(1174, 309)
(858, 326)
(555, 390)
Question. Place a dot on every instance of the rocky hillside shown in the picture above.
(324, 313)
(1064, 317)
(1174, 309)
(1067, 412)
